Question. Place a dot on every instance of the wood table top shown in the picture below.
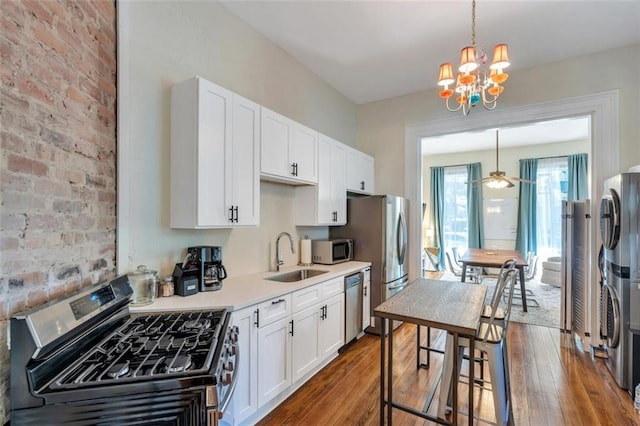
(491, 257)
(447, 305)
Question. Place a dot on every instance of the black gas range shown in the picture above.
(85, 360)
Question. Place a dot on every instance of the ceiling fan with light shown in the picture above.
(498, 179)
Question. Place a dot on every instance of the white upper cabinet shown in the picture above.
(244, 165)
(289, 150)
(360, 172)
(325, 203)
(214, 157)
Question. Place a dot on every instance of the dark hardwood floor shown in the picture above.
(550, 385)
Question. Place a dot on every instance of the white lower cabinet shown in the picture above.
(332, 326)
(245, 397)
(306, 346)
(281, 341)
(274, 359)
(366, 299)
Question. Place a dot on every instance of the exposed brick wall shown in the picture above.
(58, 159)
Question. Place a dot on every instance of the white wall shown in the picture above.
(167, 42)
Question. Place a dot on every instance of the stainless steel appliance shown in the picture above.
(330, 252)
(575, 266)
(378, 227)
(353, 306)
(208, 260)
(620, 304)
(85, 360)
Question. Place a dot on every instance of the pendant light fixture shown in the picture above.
(474, 83)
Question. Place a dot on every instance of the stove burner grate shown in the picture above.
(147, 347)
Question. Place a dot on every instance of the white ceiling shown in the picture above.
(372, 50)
(553, 131)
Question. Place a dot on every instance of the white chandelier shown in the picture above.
(474, 83)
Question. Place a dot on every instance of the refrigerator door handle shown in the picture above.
(401, 238)
(401, 284)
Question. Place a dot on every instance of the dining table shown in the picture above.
(453, 306)
(494, 258)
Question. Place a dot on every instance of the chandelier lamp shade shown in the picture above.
(474, 83)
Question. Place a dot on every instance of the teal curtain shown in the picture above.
(474, 206)
(437, 211)
(526, 234)
(577, 179)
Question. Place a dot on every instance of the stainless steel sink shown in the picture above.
(294, 276)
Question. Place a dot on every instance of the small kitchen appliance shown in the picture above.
(211, 271)
(84, 359)
(186, 278)
(330, 252)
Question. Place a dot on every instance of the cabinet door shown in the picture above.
(304, 153)
(332, 328)
(325, 207)
(214, 130)
(245, 397)
(305, 342)
(366, 305)
(243, 166)
(276, 135)
(339, 182)
(274, 362)
(360, 172)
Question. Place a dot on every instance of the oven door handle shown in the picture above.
(232, 386)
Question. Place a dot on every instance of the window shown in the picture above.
(455, 208)
(551, 189)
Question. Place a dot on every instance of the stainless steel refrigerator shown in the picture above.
(575, 271)
(378, 226)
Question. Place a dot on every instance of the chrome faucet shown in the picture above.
(279, 260)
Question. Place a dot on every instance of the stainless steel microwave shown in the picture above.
(329, 252)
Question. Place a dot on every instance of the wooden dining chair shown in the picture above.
(490, 339)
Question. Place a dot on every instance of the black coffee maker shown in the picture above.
(211, 271)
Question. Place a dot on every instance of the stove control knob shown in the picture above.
(230, 350)
(233, 336)
(226, 377)
(228, 366)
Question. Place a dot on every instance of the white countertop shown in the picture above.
(247, 290)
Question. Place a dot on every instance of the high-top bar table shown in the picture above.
(453, 306)
(492, 258)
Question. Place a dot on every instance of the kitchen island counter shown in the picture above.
(240, 292)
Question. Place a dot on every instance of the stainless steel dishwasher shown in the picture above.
(353, 306)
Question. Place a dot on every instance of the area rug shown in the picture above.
(548, 297)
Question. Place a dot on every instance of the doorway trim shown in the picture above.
(605, 157)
